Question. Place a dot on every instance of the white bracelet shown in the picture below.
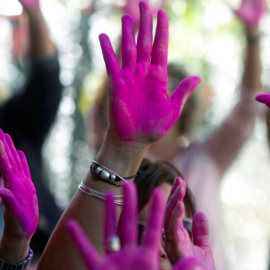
(91, 192)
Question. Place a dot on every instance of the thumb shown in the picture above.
(264, 98)
(200, 230)
(188, 264)
(10, 201)
(182, 93)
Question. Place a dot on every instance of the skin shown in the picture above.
(132, 99)
(131, 256)
(132, 9)
(41, 44)
(19, 197)
(251, 11)
(228, 133)
(264, 98)
(178, 243)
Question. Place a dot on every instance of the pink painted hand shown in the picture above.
(19, 196)
(132, 8)
(131, 256)
(29, 4)
(264, 98)
(140, 109)
(188, 264)
(251, 11)
(177, 240)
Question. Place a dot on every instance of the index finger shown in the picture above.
(109, 56)
(87, 252)
(152, 237)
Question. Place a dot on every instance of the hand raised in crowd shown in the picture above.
(141, 111)
(251, 11)
(29, 4)
(19, 195)
(264, 98)
(130, 255)
(188, 264)
(132, 8)
(178, 244)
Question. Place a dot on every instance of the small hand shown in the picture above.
(141, 111)
(264, 98)
(131, 255)
(19, 196)
(177, 240)
(251, 11)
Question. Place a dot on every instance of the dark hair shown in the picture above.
(155, 174)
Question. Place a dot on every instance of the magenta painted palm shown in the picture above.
(19, 195)
(178, 243)
(28, 4)
(131, 256)
(251, 11)
(188, 264)
(140, 108)
(264, 98)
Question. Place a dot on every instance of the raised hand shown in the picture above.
(188, 264)
(177, 240)
(132, 8)
(251, 11)
(29, 4)
(140, 109)
(131, 256)
(264, 98)
(19, 195)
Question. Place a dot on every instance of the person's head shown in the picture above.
(159, 174)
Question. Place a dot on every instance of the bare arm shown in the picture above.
(226, 142)
(129, 134)
(41, 45)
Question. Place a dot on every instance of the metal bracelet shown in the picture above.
(5, 265)
(99, 195)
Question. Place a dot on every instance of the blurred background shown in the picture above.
(207, 39)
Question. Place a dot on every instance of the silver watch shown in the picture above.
(5, 265)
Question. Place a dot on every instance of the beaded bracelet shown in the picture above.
(100, 172)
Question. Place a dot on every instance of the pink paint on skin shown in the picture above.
(251, 11)
(132, 8)
(140, 108)
(180, 245)
(28, 4)
(20, 196)
(131, 256)
(188, 264)
(264, 98)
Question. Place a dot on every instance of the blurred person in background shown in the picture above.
(204, 164)
(28, 115)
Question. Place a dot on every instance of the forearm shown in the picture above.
(14, 250)
(41, 44)
(253, 67)
(88, 210)
(227, 141)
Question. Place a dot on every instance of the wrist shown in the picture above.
(122, 158)
(14, 249)
(33, 13)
